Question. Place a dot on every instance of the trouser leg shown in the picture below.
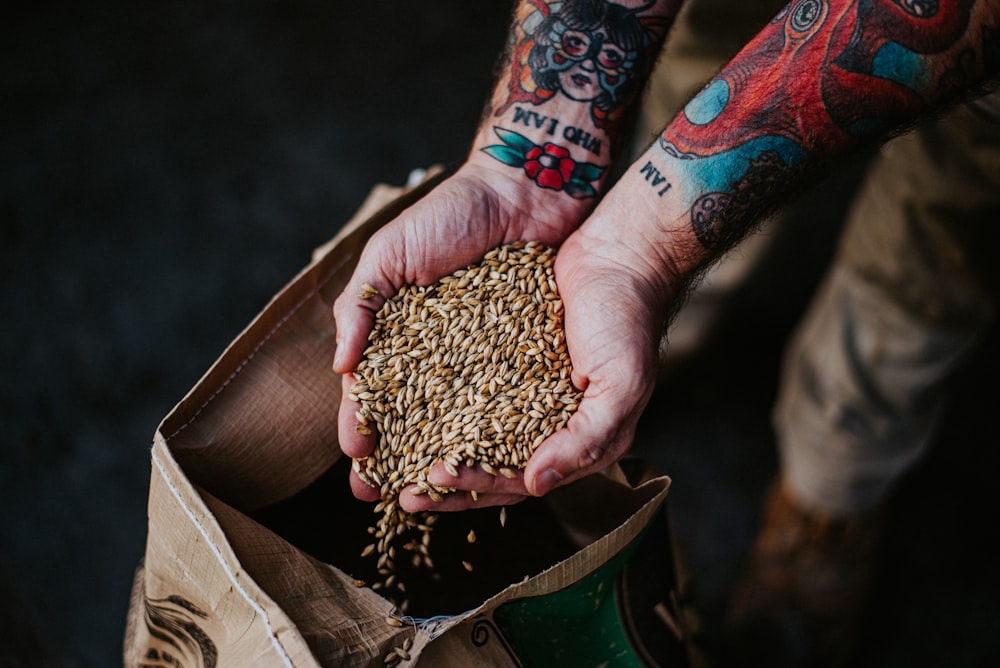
(909, 294)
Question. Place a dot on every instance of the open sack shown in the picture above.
(254, 540)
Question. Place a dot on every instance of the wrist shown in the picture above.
(644, 222)
(559, 112)
(546, 214)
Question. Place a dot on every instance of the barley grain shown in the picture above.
(472, 370)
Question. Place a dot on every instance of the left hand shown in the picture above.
(482, 206)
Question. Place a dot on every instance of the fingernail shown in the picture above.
(438, 476)
(545, 481)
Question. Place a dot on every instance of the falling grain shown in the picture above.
(471, 370)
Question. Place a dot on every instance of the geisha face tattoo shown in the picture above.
(594, 52)
(585, 63)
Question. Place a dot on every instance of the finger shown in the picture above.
(354, 314)
(454, 501)
(353, 442)
(363, 490)
(478, 478)
(593, 439)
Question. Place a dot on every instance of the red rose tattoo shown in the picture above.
(549, 165)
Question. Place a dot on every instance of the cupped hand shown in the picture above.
(616, 298)
(456, 224)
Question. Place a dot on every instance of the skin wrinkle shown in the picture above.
(592, 453)
(659, 289)
(527, 210)
(527, 204)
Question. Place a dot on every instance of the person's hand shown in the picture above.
(456, 224)
(616, 294)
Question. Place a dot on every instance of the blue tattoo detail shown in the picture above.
(706, 106)
(901, 65)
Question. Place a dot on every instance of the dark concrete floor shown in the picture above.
(166, 167)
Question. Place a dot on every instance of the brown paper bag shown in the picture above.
(253, 538)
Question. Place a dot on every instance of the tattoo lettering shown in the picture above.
(582, 138)
(655, 179)
(571, 134)
(823, 76)
(548, 165)
(533, 118)
(593, 51)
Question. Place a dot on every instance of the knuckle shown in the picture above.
(593, 454)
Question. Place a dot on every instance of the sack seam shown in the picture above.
(219, 557)
(256, 349)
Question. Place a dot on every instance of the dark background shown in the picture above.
(165, 167)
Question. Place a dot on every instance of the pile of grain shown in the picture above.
(472, 370)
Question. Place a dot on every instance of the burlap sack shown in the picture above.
(253, 539)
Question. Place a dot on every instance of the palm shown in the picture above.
(613, 324)
(452, 227)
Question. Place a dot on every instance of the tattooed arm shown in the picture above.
(571, 74)
(822, 79)
(541, 156)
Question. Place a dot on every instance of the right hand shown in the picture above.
(477, 209)
(618, 289)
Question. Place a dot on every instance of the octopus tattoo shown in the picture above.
(822, 76)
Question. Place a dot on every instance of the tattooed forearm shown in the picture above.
(593, 51)
(573, 70)
(821, 78)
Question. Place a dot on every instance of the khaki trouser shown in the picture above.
(909, 292)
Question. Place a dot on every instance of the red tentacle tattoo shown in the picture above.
(809, 75)
(822, 77)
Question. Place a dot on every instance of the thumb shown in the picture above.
(354, 315)
(591, 441)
